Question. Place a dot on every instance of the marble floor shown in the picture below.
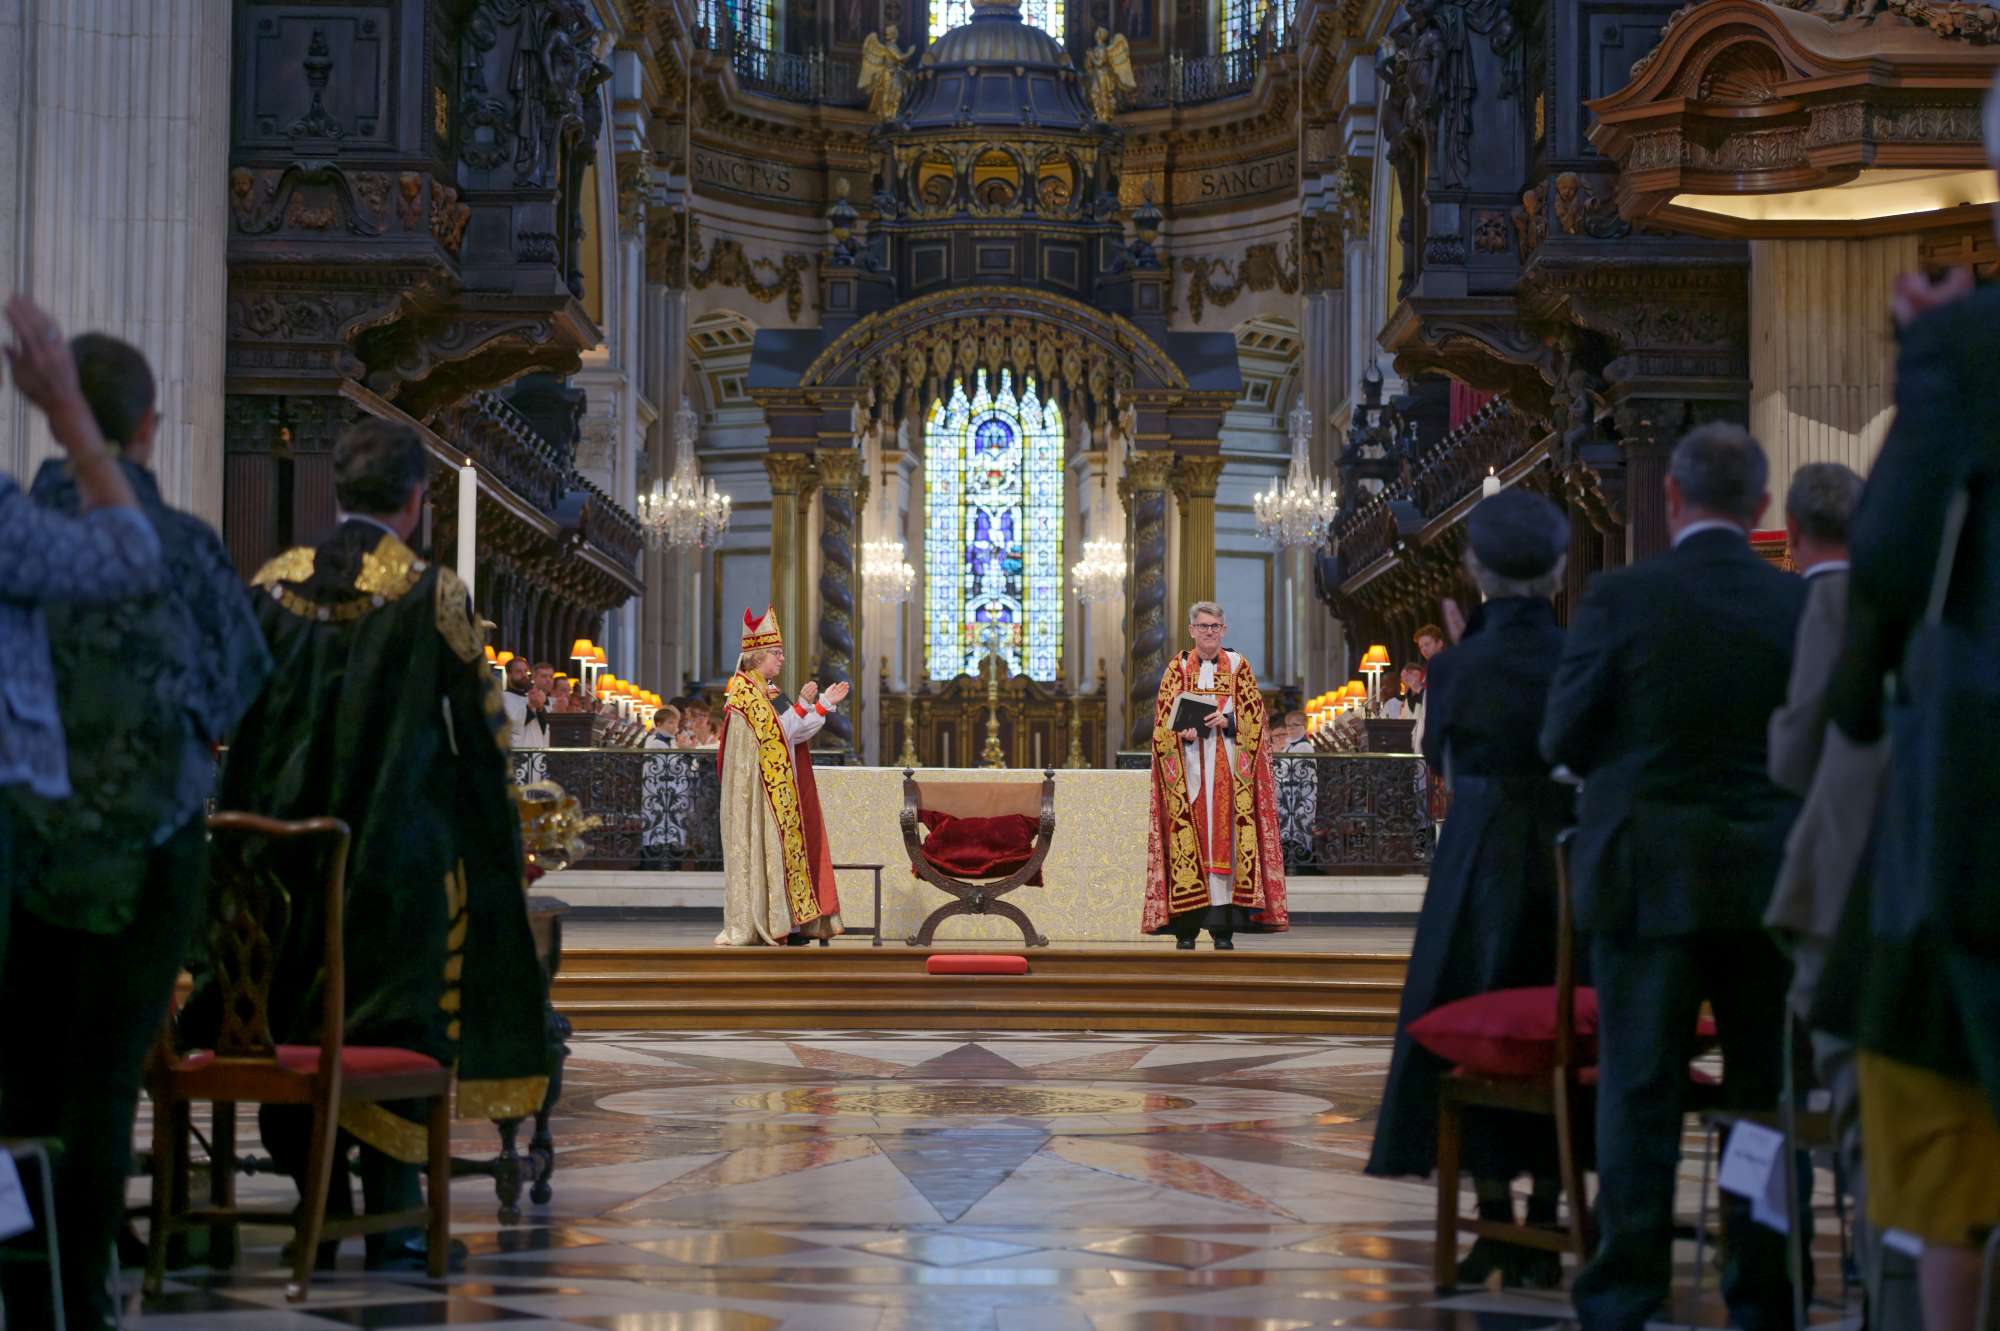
(911, 1181)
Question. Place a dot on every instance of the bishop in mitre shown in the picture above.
(1213, 860)
(776, 869)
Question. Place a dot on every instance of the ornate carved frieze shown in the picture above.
(1259, 270)
(666, 247)
(1969, 20)
(726, 264)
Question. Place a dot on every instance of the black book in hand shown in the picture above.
(1191, 712)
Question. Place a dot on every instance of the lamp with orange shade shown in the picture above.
(1373, 662)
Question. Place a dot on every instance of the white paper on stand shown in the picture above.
(1753, 1166)
(15, 1217)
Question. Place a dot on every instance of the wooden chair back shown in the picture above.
(255, 865)
(1566, 1059)
(979, 799)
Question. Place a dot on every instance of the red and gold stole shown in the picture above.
(1224, 833)
(746, 697)
(1215, 819)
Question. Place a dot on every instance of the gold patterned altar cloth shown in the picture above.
(1093, 880)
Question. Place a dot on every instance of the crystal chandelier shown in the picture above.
(885, 575)
(1302, 512)
(686, 513)
(1100, 575)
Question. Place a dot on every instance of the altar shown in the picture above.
(1093, 882)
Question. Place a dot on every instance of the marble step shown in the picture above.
(693, 989)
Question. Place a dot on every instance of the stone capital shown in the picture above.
(1196, 475)
(1147, 469)
(788, 472)
(840, 468)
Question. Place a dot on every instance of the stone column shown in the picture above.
(1195, 479)
(1144, 490)
(114, 208)
(804, 546)
(884, 633)
(787, 471)
(666, 652)
(842, 490)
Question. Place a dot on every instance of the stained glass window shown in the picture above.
(751, 21)
(993, 529)
(1044, 14)
(1237, 21)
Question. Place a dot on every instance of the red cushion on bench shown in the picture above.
(975, 963)
(978, 847)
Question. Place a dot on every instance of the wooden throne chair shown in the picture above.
(978, 841)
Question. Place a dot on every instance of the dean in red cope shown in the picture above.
(1212, 860)
(777, 873)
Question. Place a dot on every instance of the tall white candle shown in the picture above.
(468, 523)
(1490, 486)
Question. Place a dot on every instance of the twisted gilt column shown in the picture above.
(1144, 490)
(841, 489)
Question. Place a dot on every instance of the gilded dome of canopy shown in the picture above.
(994, 36)
(995, 70)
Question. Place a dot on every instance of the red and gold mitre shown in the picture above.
(759, 634)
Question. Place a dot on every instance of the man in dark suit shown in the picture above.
(1660, 704)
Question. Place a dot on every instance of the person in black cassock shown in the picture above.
(1662, 704)
(383, 712)
(1489, 914)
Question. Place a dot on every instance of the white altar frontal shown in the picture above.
(1093, 882)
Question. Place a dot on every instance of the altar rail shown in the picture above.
(659, 809)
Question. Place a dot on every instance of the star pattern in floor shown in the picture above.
(886, 1180)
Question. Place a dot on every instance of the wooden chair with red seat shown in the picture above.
(1536, 1054)
(256, 867)
(1002, 829)
(1564, 1092)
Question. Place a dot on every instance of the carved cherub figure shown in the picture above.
(883, 75)
(1569, 204)
(1107, 74)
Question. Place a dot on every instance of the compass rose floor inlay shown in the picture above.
(910, 1181)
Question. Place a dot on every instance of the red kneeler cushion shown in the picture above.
(355, 1060)
(1511, 1033)
(975, 963)
(979, 847)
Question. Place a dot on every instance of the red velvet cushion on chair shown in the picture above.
(355, 1060)
(978, 847)
(1507, 1033)
(1512, 1032)
(975, 963)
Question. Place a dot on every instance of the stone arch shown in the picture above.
(892, 365)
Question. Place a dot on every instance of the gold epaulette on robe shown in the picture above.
(294, 565)
(454, 617)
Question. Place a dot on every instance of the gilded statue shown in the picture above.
(1107, 74)
(883, 75)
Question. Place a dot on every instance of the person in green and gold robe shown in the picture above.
(382, 711)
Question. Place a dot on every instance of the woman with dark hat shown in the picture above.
(1489, 913)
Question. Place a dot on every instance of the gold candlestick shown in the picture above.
(908, 757)
(1074, 758)
(990, 755)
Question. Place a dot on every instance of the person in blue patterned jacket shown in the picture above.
(109, 881)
